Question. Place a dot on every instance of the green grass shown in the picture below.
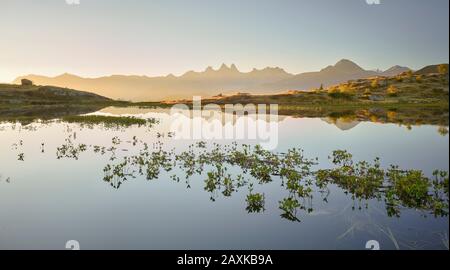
(424, 102)
(26, 104)
(108, 121)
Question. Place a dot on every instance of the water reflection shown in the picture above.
(289, 183)
(344, 120)
(232, 167)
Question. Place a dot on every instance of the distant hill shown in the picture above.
(210, 82)
(342, 71)
(400, 89)
(429, 70)
(32, 94)
(142, 88)
(395, 70)
(27, 103)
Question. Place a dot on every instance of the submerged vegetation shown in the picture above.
(229, 168)
(109, 121)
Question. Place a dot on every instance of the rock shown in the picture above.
(376, 98)
(26, 82)
(376, 111)
(382, 83)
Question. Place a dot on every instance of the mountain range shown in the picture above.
(210, 82)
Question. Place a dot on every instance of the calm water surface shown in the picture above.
(47, 201)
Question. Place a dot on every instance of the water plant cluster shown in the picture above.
(398, 188)
(227, 169)
(109, 121)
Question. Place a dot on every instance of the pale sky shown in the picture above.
(158, 37)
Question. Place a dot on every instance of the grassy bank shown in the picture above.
(405, 99)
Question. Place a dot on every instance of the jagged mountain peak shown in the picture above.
(210, 80)
(223, 67)
(269, 70)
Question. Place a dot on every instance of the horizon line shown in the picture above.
(209, 67)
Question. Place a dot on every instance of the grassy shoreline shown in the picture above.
(405, 99)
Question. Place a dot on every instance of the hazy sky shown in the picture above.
(157, 37)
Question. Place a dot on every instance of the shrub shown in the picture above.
(346, 89)
(438, 90)
(374, 83)
(409, 74)
(333, 90)
(336, 92)
(419, 79)
(443, 69)
(391, 115)
(443, 130)
(341, 91)
(392, 91)
(367, 93)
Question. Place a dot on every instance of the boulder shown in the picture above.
(376, 98)
(26, 82)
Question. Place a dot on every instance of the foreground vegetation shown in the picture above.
(364, 181)
(108, 121)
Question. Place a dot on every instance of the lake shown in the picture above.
(53, 189)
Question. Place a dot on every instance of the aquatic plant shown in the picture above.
(443, 131)
(70, 150)
(289, 206)
(363, 180)
(228, 168)
(109, 121)
(255, 202)
(410, 188)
